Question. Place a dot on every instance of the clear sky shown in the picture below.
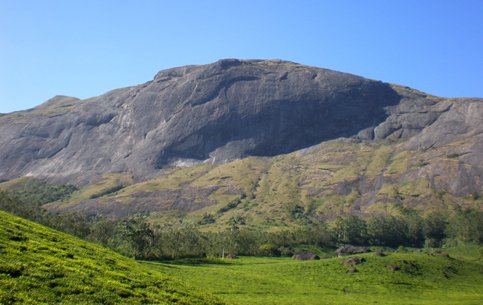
(84, 48)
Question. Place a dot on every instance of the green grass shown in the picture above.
(470, 252)
(103, 186)
(30, 189)
(53, 107)
(423, 279)
(402, 89)
(42, 266)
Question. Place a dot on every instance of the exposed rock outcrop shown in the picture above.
(349, 250)
(222, 111)
(306, 256)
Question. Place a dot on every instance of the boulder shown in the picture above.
(349, 250)
(380, 254)
(306, 256)
(355, 260)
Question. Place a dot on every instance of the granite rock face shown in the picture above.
(219, 112)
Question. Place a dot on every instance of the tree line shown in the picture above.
(137, 237)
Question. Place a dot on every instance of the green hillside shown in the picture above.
(323, 182)
(42, 266)
(399, 278)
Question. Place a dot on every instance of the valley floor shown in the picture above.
(422, 279)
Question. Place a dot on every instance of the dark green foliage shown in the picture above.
(351, 230)
(177, 241)
(11, 203)
(414, 222)
(434, 227)
(139, 235)
(453, 156)
(107, 191)
(76, 224)
(233, 204)
(206, 219)
(103, 231)
(388, 231)
(466, 226)
(40, 192)
(297, 211)
(475, 196)
(410, 229)
(71, 223)
(269, 250)
(236, 221)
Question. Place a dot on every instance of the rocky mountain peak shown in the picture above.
(209, 113)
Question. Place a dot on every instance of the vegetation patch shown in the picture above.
(231, 205)
(36, 190)
(107, 191)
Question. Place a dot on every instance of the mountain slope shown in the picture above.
(41, 266)
(325, 181)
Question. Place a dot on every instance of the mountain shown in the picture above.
(256, 138)
(39, 265)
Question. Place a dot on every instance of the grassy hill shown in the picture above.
(319, 183)
(42, 266)
(420, 279)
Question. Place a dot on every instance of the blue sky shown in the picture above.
(85, 48)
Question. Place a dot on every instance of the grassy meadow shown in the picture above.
(421, 279)
(39, 265)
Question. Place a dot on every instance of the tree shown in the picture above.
(139, 235)
(434, 228)
(415, 233)
(388, 231)
(105, 232)
(466, 226)
(351, 230)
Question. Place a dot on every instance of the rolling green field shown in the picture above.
(39, 265)
(422, 279)
(42, 266)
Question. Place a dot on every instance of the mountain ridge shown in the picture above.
(359, 144)
(220, 111)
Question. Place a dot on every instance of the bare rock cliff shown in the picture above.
(223, 111)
